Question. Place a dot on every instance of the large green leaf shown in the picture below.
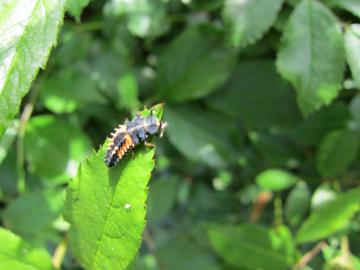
(112, 202)
(54, 147)
(256, 82)
(330, 218)
(32, 212)
(194, 64)
(337, 151)
(314, 67)
(251, 247)
(28, 30)
(15, 253)
(352, 48)
(200, 135)
(248, 20)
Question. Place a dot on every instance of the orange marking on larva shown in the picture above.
(128, 142)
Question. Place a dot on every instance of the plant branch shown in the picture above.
(304, 260)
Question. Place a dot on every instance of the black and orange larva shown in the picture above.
(127, 136)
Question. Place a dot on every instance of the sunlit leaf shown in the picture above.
(330, 218)
(15, 253)
(113, 202)
(28, 30)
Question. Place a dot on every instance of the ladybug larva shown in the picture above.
(126, 137)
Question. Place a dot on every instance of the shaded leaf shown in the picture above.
(297, 204)
(54, 148)
(337, 151)
(209, 141)
(313, 66)
(15, 253)
(248, 20)
(67, 91)
(250, 246)
(330, 218)
(113, 202)
(276, 180)
(32, 212)
(352, 48)
(315, 127)
(256, 82)
(194, 64)
(352, 6)
(28, 30)
(144, 18)
(162, 197)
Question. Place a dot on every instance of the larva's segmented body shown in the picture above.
(126, 137)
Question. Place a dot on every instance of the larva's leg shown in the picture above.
(149, 145)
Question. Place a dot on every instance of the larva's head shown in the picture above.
(153, 126)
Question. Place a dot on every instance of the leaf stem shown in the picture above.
(278, 210)
(24, 119)
(60, 252)
(304, 260)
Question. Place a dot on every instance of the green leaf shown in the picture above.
(54, 147)
(209, 141)
(330, 218)
(162, 197)
(194, 64)
(256, 82)
(352, 6)
(127, 89)
(337, 151)
(15, 253)
(113, 202)
(187, 252)
(67, 91)
(323, 195)
(248, 20)
(315, 127)
(144, 18)
(32, 212)
(352, 48)
(276, 179)
(250, 246)
(313, 66)
(28, 31)
(297, 204)
(75, 7)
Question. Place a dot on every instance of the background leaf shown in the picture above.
(60, 143)
(75, 7)
(313, 67)
(250, 246)
(248, 20)
(256, 82)
(194, 64)
(34, 211)
(210, 136)
(330, 218)
(29, 30)
(15, 253)
(352, 48)
(337, 151)
(275, 180)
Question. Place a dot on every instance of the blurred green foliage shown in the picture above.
(259, 167)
